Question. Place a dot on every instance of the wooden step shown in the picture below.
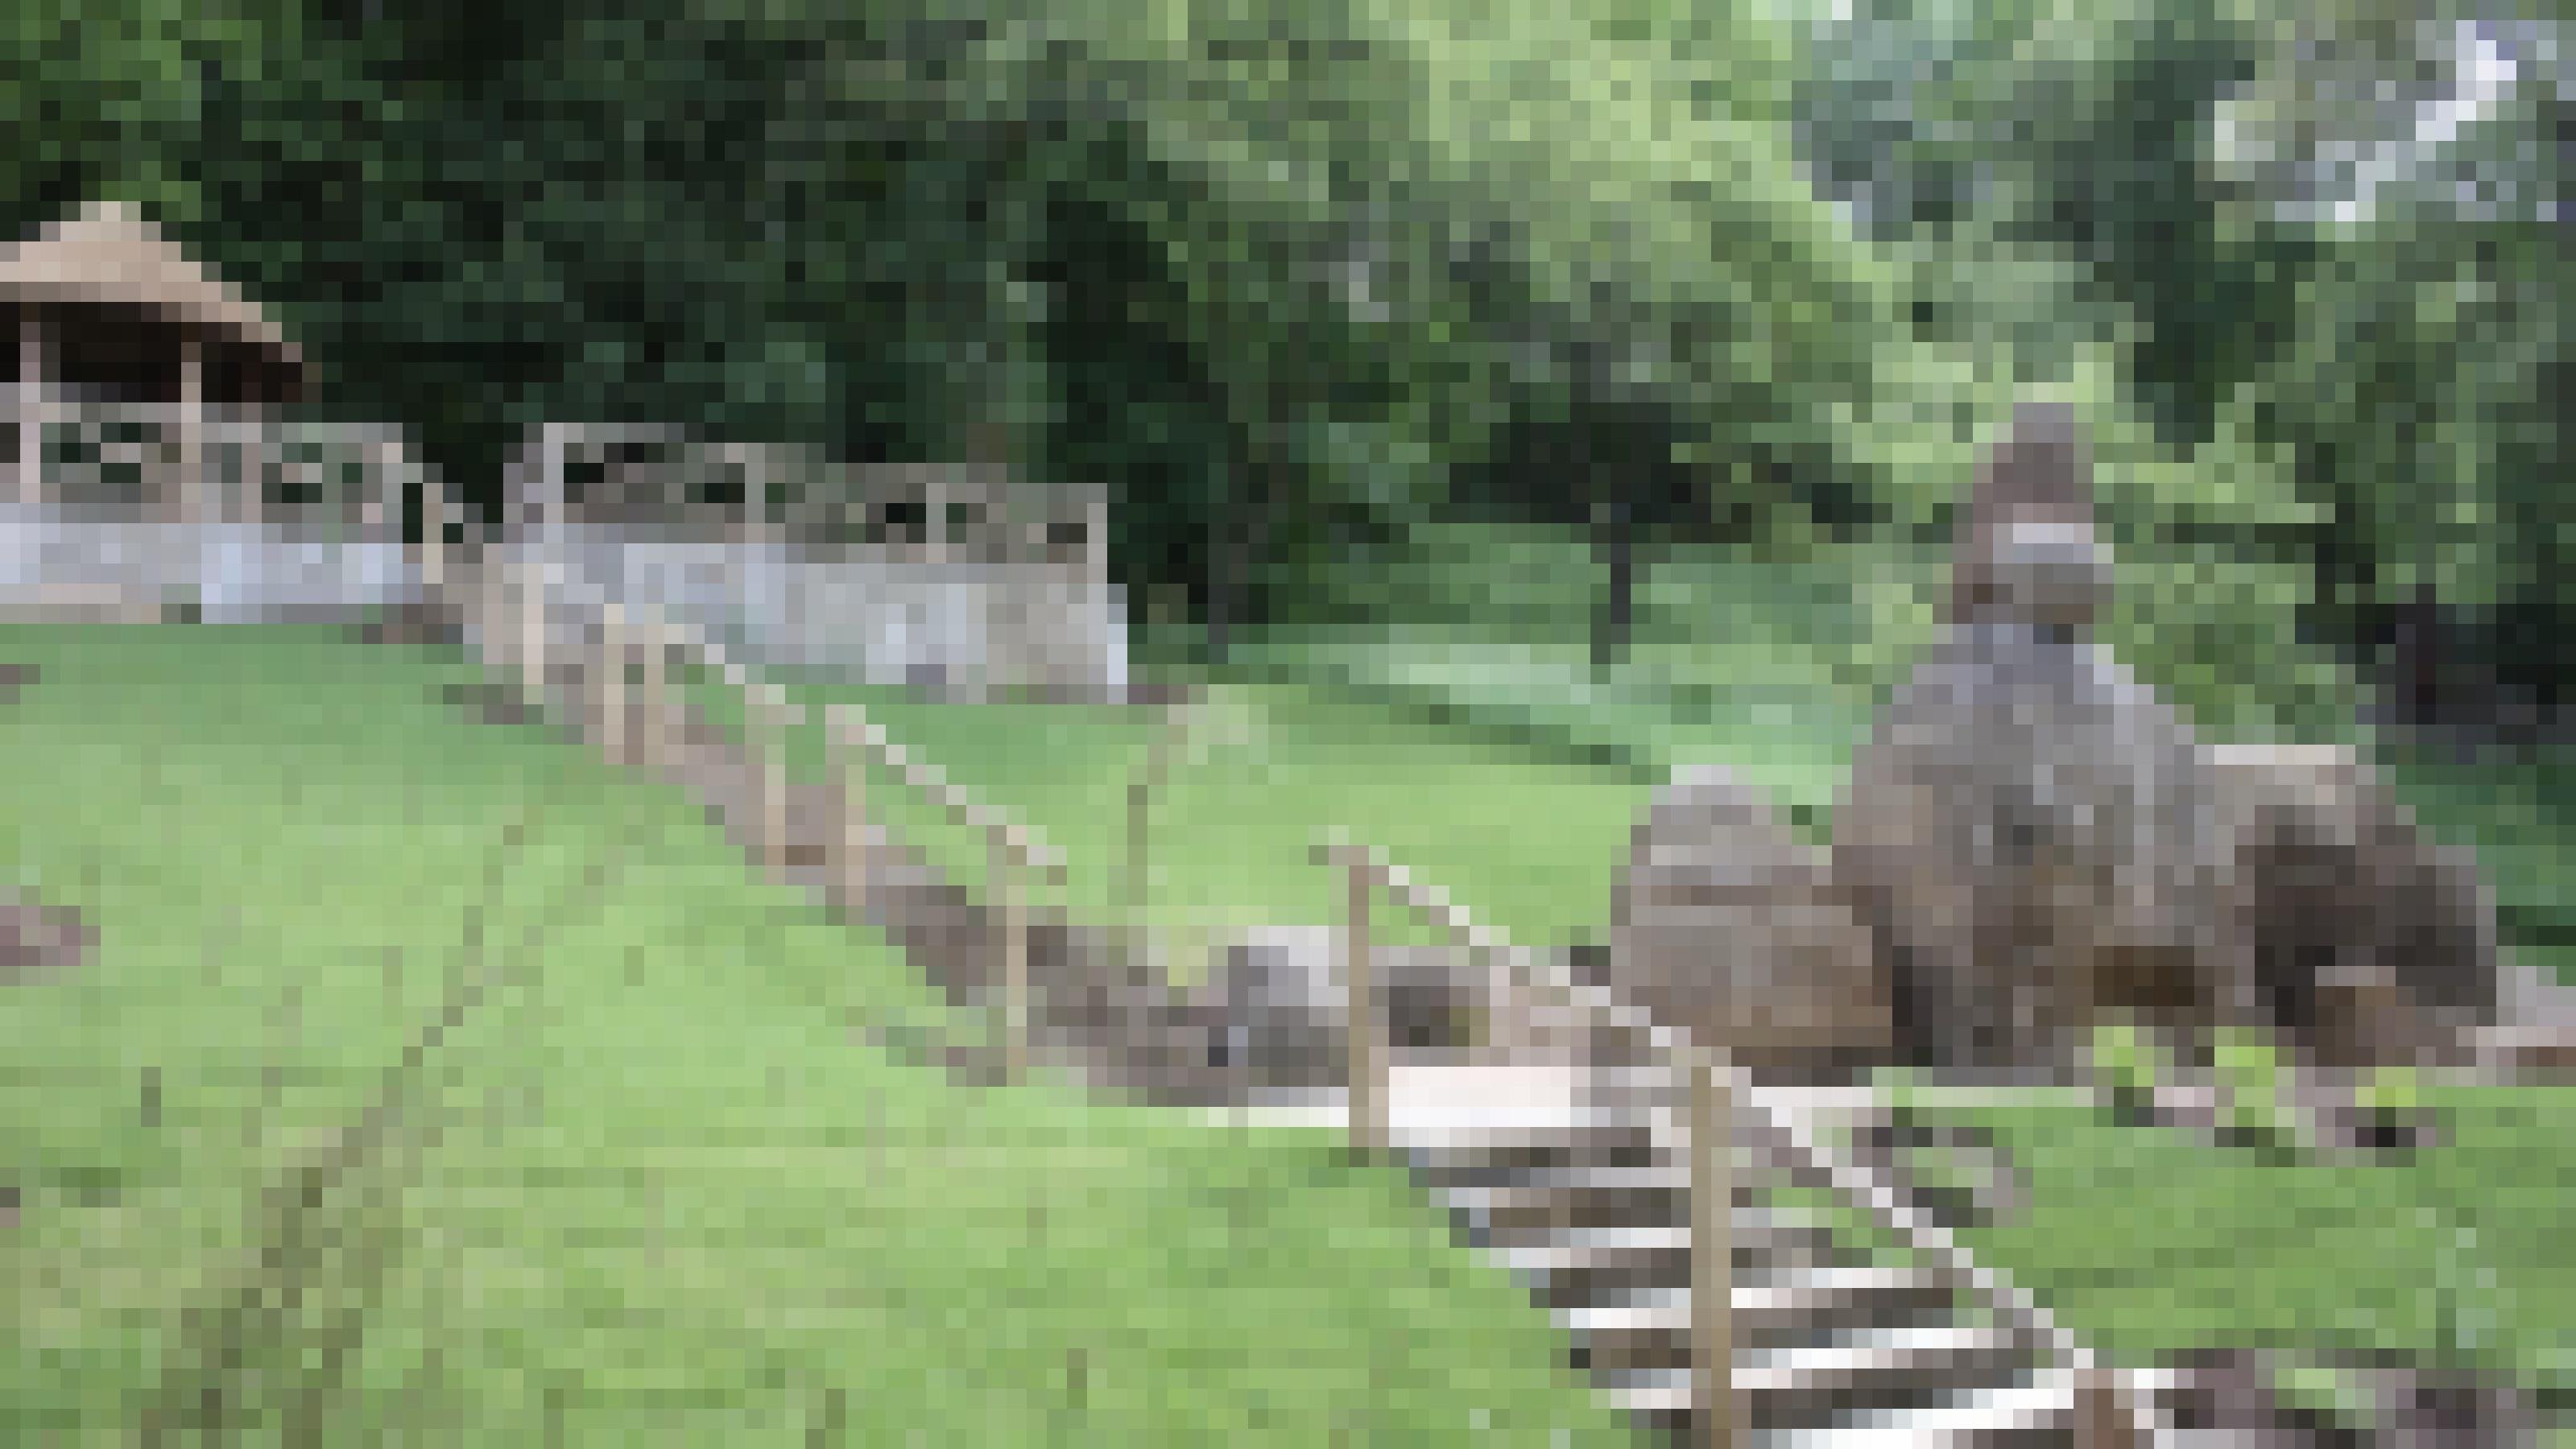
(1871, 1371)
(1865, 1380)
(1594, 1264)
(1555, 1200)
(1795, 1306)
(1651, 1330)
(1505, 1153)
(2035, 1413)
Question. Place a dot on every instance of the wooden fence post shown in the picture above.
(1712, 1248)
(1142, 786)
(1367, 1092)
(2101, 1410)
(773, 716)
(612, 682)
(654, 642)
(848, 730)
(1012, 903)
(1512, 1028)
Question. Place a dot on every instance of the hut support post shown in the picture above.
(192, 426)
(433, 536)
(31, 406)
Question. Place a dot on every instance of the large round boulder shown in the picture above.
(2034, 837)
(2373, 943)
(1727, 926)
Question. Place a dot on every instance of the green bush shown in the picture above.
(2123, 1059)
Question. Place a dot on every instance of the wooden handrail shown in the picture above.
(1809, 1158)
(1016, 850)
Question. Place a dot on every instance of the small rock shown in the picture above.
(39, 938)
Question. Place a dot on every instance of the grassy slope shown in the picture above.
(1531, 848)
(2146, 1241)
(1474, 748)
(668, 1200)
(2141, 1240)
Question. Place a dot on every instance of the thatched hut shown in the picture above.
(103, 304)
(150, 463)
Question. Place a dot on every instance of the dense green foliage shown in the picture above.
(1297, 280)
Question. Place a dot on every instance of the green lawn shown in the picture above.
(1531, 846)
(663, 1184)
(2147, 1241)
(654, 1193)
(1770, 665)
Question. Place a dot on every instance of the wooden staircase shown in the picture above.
(1831, 1349)
(1563, 1149)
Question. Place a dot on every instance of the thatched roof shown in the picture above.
(108, 254)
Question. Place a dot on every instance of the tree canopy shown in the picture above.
(1293, 278)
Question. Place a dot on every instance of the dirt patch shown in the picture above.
(13, 678)
(1159, 696)
(410, 624)
(487, 702)
(2237, 1392)
(37, 939)
(1961, 1176)
(1098, 1008)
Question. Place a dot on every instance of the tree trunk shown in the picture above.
(1614, 612)
(1220, 587)
(1236, 527)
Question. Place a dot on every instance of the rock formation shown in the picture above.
(1726, 925)
(2372, 942)
(1277, 1013)
(2026, 548)
(2030, 833)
